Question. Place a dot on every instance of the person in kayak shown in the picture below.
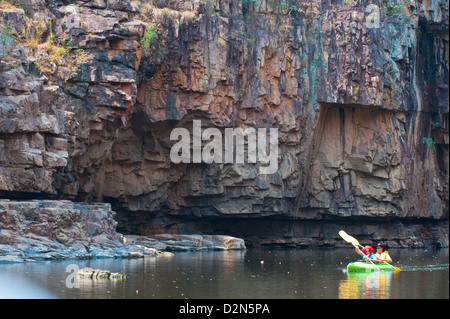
(367, 253)
(382, 255)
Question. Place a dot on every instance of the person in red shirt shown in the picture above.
(367, 253)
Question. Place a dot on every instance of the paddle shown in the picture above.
(348, 238)
(354, 242)
(395, 268)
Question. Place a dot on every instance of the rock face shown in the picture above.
(91, 90)
(56, 229)
(61, 229)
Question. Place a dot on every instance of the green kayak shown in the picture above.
(365, 266)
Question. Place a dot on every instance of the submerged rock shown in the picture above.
(99, 274)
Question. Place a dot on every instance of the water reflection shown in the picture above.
(374, 285)
(183, 275)
(254, 273)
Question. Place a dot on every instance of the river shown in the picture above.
(249, 274)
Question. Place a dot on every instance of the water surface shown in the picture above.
(250, 274)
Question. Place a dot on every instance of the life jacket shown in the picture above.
(383, 255)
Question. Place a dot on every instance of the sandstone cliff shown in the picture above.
(90, 91)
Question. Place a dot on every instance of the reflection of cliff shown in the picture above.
(366, 286)
(89, 118)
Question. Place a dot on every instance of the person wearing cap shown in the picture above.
(367, 253)
(382, 255)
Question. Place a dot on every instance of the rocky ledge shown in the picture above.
(173, 242)
(50, 229)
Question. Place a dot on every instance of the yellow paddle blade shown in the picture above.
(396, 269)
(348, 238)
